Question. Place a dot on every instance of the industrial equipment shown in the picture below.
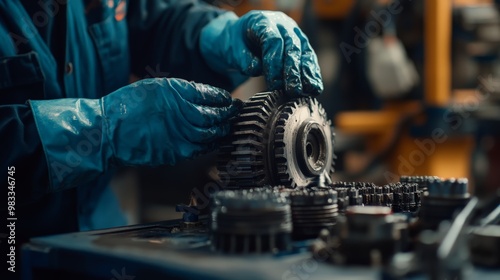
(278, 141)
(278, 216)
(246, 221)
(313, 210)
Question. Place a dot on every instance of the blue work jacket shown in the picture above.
(105, 42)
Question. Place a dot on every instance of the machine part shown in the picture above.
(369, 235)
(401, 197)
(278, 141)
(421, 181)
(347, 194)
(251, 221)
(342, 198)
(443, 253)
(405, 197)
(449, 188)
(375, 195)
(312, 211)
(162, 250)
(485, 246)
(442, 201)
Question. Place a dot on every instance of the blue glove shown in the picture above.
(151, 122)
(262, 43)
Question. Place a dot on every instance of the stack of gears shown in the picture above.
(312, 211)
(410, 195)
(277, 141)
(250, 221)
(421, 181)
(401, 197)
(261, 220)
(369, 235)
(406, 197)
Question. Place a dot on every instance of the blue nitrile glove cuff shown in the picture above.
(148, 123)
(74, 139)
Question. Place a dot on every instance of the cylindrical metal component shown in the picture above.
(343, 198)
(312, 211)
(276, 140)
(443, 199)
(250, 221)
(369, 235)
(353, 196)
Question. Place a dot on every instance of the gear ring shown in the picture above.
(277, 141)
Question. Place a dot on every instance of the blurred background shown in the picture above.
(411, 87)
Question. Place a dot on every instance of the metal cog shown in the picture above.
(303, 144)
(270, 142)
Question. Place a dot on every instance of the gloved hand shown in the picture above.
(262, 42)
(151, 122)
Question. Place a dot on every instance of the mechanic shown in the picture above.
(69, 116)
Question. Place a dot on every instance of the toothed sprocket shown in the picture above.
(277, 141)
(303, 144)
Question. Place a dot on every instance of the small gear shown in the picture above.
(251, 221)
(303, 144)
(277, 141)
(313, 209)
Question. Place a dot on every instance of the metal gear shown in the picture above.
(251, 221)
(313, 209)
(278, 141)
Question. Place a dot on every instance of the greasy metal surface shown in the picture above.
(277, 141)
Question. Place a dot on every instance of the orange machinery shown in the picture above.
(445, 155)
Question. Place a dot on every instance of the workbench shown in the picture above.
(166, 251)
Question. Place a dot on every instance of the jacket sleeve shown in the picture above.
(22, 149)
(164, 40)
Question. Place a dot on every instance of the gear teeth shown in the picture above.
(243, 152)
(282, 164)
(255, 153)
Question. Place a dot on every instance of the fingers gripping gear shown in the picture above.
(278, 141)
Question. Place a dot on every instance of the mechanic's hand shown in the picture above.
(263, 42)
(150, 122)
(160, 121)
